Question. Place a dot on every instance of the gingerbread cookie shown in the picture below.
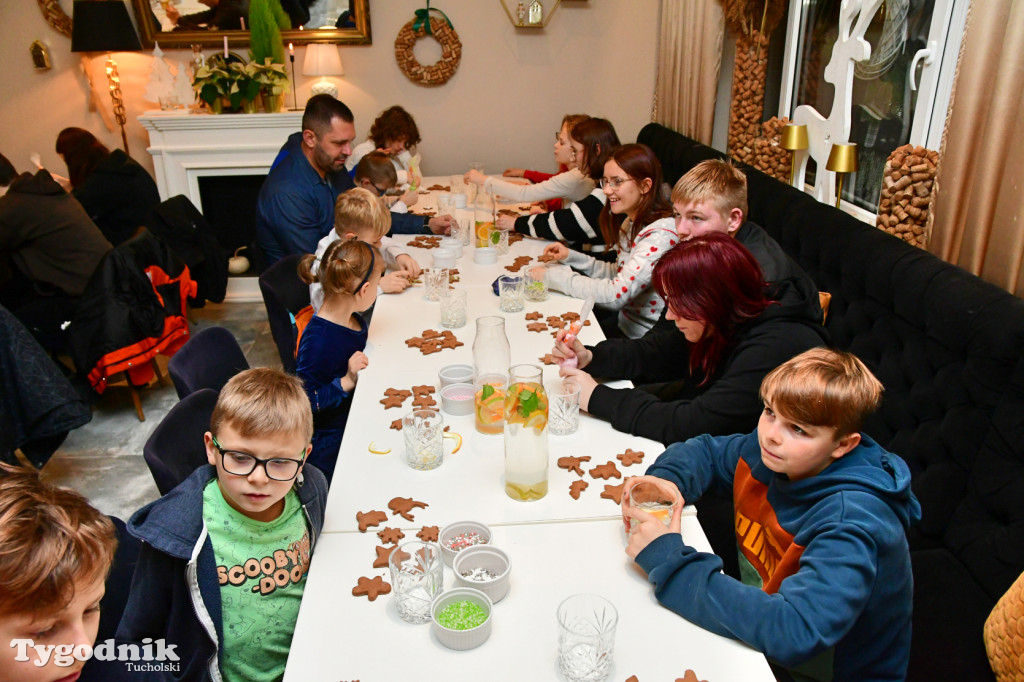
(383, 554)
(537, 327)
(630, 457)
(424, 401)
(415, 342)
(546, 258)
(428, 533)
(549, 359)
(535, 315)
(390, 535)
(397, 425)
(576, 487)
(556, 322)
(420, 390)
(370, 518)
(606, 471)
(613, 493)
(401, 506)
(392, 401)
(515, 237)
(371, 587)
(572, 463)
(431, 333)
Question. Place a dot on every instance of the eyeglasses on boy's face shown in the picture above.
(613, 183)
(242, 463)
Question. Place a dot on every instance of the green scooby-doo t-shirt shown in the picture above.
(262, 569)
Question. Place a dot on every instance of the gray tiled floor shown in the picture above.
(103, 459)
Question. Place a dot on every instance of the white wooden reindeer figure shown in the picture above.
(822, 132)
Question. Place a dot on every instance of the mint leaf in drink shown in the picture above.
(488, 391)
(529, 402)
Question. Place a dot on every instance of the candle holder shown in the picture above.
(842, 160)
(793, 138)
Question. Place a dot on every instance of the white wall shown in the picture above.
(502, 107)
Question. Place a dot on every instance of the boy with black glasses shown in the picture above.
(223, 566)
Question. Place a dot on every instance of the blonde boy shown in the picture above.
(225, 554)
(55, 551)
(358, 214)
(821, 513)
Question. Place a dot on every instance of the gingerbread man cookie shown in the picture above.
(401, 506)
(630, 457)
(606, 471)
(371, 587)
(370, 518)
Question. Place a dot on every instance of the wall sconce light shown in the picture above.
(794, 138)
(323, 60)
(842, 160)
(104, 26)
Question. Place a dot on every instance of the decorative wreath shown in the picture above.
(451, 49)
(55, 16)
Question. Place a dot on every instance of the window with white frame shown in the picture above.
(899, 94)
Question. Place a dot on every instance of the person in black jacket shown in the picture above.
(113, 188)
(731, 329)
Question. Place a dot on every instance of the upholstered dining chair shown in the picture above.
(175, 448)
(207, 360)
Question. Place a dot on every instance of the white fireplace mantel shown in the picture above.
(186, 147)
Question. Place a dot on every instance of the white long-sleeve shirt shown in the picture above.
(401, 162)
(389, 248)
(570, 186)
(624, 285)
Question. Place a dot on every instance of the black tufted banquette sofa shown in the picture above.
(949, 349)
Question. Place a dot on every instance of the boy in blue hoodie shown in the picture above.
(225, 554)
(821, 513)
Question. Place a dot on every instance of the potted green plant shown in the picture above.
(245, 89)
(212, 82)
(273, 82)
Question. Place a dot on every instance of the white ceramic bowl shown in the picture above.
(452, 244)
(459, 200)
(457, 399)
(445, 258)
(485, 255)
(457, 528)
(491, 558)
(455, 374)
(461, 640)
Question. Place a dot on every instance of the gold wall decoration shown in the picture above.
(55, 16)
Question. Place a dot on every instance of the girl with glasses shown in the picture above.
(637, 221)
(330, 353)
(569, 185)
(591, 142)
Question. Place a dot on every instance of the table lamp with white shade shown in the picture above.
(323, 60)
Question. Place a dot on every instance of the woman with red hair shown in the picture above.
(729, 333)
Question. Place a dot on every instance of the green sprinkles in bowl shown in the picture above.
(462, 615)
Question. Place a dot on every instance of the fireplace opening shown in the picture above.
(229, 205)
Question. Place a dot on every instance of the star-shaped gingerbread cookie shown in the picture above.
(606, 471)
(535, 315)
(371, 587)
(383, 554)
(537, 326)
(613, 493)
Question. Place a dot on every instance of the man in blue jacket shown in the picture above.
(821, 513)
(295, 209)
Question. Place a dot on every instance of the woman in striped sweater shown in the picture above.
(591, 142)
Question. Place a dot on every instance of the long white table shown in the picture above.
(558, 545)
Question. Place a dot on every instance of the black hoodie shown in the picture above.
(117, 195)
(676, 406)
